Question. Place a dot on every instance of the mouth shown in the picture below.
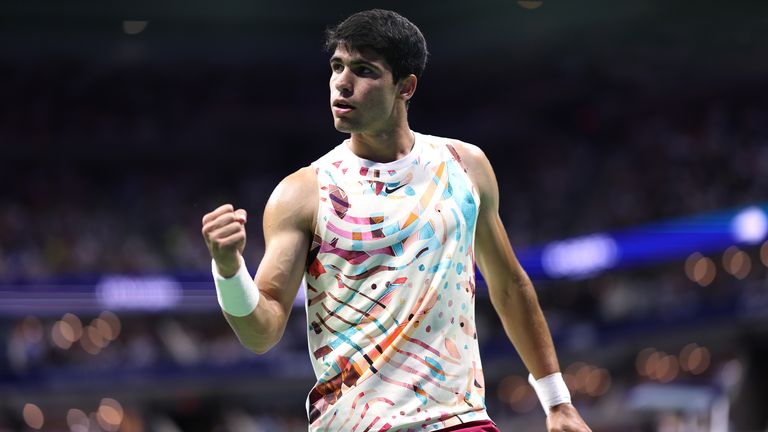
(342, 107)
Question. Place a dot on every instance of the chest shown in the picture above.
(426, 201)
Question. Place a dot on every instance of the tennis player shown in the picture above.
(385, 230)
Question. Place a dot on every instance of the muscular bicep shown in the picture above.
(493, 251)
(287, 236)
(494, 254)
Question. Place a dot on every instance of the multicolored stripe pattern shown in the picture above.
(390, 293)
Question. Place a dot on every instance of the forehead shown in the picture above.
(364, 54)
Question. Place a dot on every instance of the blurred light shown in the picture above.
(668, 369)
(764, 254)
(77, 421)
(728, 256)
(598, 382)
(523, 399)
(144, 293)
(62, 334)
(690, 264)
(670, 422)
(134, 27)
(32, 329)
(749, 225)
(732, 373)
(652, 364)
(641, 360)
(110, 414)
(574, 367)
(92, 332)
(698, 361)
(580, 256)
(33, 416)
(582, 375)
(114, 323)
(88, 343)
(132, 422)
(517, 393)
(569, 376)
(66, 331)
(737, 263)
(704, 271)
(530, 4)
(74, 324)
(685, 356)
(104, 329)
(506, 385)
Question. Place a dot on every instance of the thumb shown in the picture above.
(241, 216)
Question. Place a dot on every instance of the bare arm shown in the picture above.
(288, 226)
(511, 291)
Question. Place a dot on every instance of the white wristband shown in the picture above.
(551, 390)
(238, 295)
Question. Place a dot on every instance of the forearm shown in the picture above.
(263, 328)
(255, 316)
(517, 305)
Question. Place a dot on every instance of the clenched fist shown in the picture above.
(224, 234)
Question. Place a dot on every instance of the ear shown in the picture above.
(407, 87)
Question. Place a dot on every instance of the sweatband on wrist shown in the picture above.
(238, 295)
(551, 390)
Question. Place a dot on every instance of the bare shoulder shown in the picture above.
(478, 166)
(469, 152)
(294, 200)
(473, 157)
(300, 182)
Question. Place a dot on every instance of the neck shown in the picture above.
(383, 146)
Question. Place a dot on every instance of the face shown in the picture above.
(364, 98)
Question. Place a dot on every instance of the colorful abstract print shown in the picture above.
(390, 293)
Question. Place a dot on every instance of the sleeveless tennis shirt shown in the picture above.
(390, 293)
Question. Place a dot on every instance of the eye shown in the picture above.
(337, 67)
(365, 71)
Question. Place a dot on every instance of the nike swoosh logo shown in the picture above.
(390, 191)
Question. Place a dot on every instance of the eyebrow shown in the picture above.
(354, 62)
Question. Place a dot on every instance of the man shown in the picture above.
(385, 229)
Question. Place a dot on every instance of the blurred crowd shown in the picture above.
(613, 338)
(166, 373)
(59, 222)
(109, 168)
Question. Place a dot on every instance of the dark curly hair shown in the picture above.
(388, 33)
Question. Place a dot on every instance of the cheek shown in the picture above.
(379, 98)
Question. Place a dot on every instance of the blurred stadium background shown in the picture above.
(630, 140)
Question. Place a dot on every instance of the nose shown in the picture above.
(343, 82)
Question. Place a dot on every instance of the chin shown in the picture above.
(343, 126)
